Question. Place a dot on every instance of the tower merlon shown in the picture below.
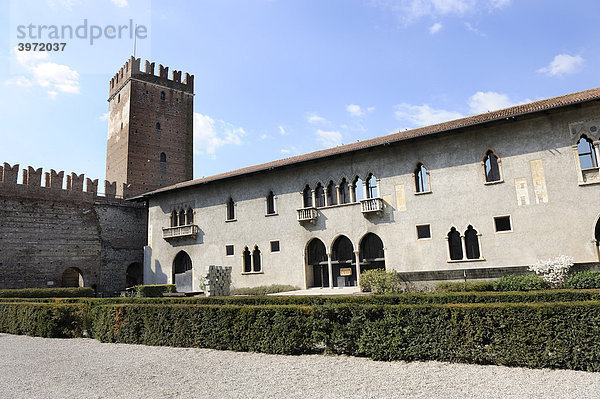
(131, 69)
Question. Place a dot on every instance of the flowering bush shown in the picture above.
(554, 271)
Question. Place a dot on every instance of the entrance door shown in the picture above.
(182, 272)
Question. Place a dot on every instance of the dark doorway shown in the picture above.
(342, 263)
(371, 253)
(72, 277)
(316, 256)
(135, 275)
(182, 272)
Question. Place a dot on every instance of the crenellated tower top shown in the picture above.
(131, 70)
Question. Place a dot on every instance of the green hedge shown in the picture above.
(513, 282)
(263, 289)
(465, 286)
(153, 291)
(562, 295)
(48, 293)
(43, 319)
(584, 280)
(557, 335)
(269, 329)
(379, 281)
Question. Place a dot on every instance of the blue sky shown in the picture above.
(277, 78)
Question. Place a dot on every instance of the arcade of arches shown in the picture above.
(342, 266)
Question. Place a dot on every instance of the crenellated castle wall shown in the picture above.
(53, 224)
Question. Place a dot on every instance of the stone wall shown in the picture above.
(46, 230)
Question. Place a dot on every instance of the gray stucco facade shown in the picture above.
(553, 206)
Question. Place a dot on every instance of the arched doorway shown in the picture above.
(371, 253)
(316, 259)
(182, 272)
(135, 275)
(72, 277)
(343, 262)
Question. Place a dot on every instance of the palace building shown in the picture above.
(473, 198)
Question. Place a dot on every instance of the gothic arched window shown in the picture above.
(421, 179)
(307, 197)
(472, 243)
(455, 244)
(491, 167)
(587, 155)
(256, 266)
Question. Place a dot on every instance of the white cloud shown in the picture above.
(473, 29)
(282, 130)
(20, 81)
(120, 3)
(264, 136)
(481, 102)
(354, 110)
(563, 64)
(103, 117)
(314, 118)
(435, 28)
(370, 109)
(423, 115)
(410, 11)
(53, 77)
(329, 138)
(210, 134)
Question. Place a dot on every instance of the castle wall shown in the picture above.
(47, 230)
(538, 162)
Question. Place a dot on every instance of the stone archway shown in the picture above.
(182, 272)
(371, 253)
(72, 277)
(343, 262)
(134, 275)
(316, 264)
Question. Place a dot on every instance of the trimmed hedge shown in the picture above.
(562, 295)
(527, 282)
(270, 329)
(153, 291)
(465, 286)
(78, 292)
(263, 289)
(584, 280)
(43, 319)
(557, 335)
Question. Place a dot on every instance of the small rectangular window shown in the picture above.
(274, 246)
(228, 250)
(423, 231)
(502, 223)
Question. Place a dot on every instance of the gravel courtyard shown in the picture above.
(85, 368)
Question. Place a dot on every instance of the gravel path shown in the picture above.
(84, 368)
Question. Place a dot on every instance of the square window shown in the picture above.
(423, 231)
(229, 250)
(274, 246)
(502, 223)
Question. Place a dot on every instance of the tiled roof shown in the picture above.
(537, 106)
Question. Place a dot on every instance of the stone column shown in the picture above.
(464, 247)
(326, 194)
(329, 270)
(357, 257)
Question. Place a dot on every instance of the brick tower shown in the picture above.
(150, 128)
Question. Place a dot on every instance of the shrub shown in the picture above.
(554, 271)
(153, 291)
(379, 281)
(556, 335)
(527, 282)
(43, 319)
(466, 286)
(584, 280)
(263, 289)
(78, 292)
(269, 329)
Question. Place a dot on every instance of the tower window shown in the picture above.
(229, 250)
(421, 179)
(162, 96)
(157, 125)
(163, 157)
(274, 246)
(230, 209)
(491, 165)
(271, 203)
(423, 231)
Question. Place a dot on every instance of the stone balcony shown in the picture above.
(188, 231)
(307, 215)
(371, 205)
